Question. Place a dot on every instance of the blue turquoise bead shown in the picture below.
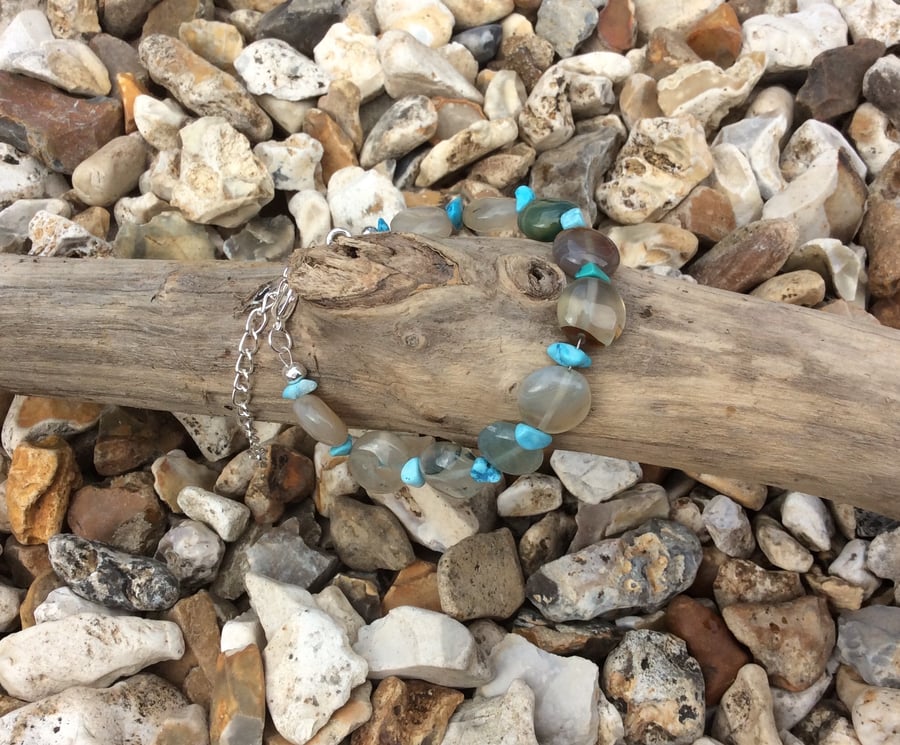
(524, 197)
(455, 212)
(484, 473)
(411, 473)
(591, 270)
(343, 449)
(531, 438)
(572, 218)
(299, 387)
(382, 226)
(568, 355)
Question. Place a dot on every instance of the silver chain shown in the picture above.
(271, 307)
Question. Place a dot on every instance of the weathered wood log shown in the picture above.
(418, 335)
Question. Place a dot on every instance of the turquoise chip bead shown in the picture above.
(572, 219)
(568, 355)
(592, 270)
(531, 438)
(455, 212)
(524, 197)
(299, 387)
(411, 473)
(484, 473)
(343, 449)
(382, 226)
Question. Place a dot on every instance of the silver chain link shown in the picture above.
(271, 307)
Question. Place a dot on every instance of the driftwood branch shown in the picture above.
(411, 334)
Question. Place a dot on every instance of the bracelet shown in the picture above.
(551, 400)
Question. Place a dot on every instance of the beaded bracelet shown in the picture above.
(551, 400)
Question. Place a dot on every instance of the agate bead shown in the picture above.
(427, 221)
(447, 467)
(319, 421)
(591, 307)
(539, 219)
(574, 248)
(498, 445)
(377, 460)
(554, 399)
(490, 215)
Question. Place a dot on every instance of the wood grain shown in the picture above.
(412, 334)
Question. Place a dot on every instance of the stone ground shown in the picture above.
(157, 587)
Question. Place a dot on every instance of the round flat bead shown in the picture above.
(411, 473)
(447, 467)
(498, 445)
(554, 399)
(591, 307)
(568, 355)
(377, 460)
(539, 220)
(319, 421)
(490, 215)
(431, 221)
(299, 387)
(574, 248)
(531, 438)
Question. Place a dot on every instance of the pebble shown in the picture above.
(879, 79)
(357, 198)
(807, 518)
(310, 211)
(545, 121)
(216, 437)
(431, 22)
(409, 712)
(414, 585)
(274, 67)
(748, 255)
(874, 136)
(850, 565)
(507, 719)
(131, 711)
(834, 82)
(310, 671)
(111, 172)
(466, 146)
(566, 24)
(408, 123)
(10, 601)
(167, 236)
(876, 720)
(791, 707)
(54, 235)
(780, 547)
(728, 526)
(594, 478)
(300, 23)
(745, 715)
(733, 177)
(201, 87)
(42, 476)
(653, 244)
(468, 14)
(262, 239)
(802, 287)
(792, 640)
(25, 177)
(192, 552)
(126, 514)
(480, 577)
(742, 581)
(482, 41)
(281, 554)
(15, 218)
(227, 517)
(342, 104)
(759, 138)
(838, 265)
(709, 642)
(346, 54)
(417, 643)
(286, 476)
(63, 602)
(273, 603)
(32, 418)
(159, 121)
(659, 685)
(566, 690)
(883, 555)
(293, 162)
(869, 641)
(705, 213)
(412, 68)
(112, 578)
(533, 494)
(545, 541)
(614, 574)
(628, 510)
(643, 186)
(368, 537)
(237, 707)
(34, 663)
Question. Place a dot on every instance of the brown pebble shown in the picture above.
(887, 311)
(667, 51)
(710, 563)
(37, 593)
(528, 56)
(747, 256)
(238, 707)
(746, 493)
(285, 476)
(415, 585)
(616, 25)
(408, 712)
(59, 129)
(704, 212)
(339, 149)
(25, 562)
(42, 476)
(127, 514)
(129, 89)
(196, 617)
(40, 415)
(834, 82)
(879, 230)
(717, 36)
(709, 641)
(167, 16)
(341, 103)
(743, 581)
(802, 287)
(130, 438)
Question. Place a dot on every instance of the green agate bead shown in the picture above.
(574, 248)
(498, 445)
(490, 215)
(554, 399)
(430, 221)
(377, 460)
(591, 307)
(447, 467)
(539, 219)
(319, 421)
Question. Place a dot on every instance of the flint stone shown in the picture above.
(758, 138)
(532, 494)
(566, 24)
(482, 41)
(357, 198)
(408, 123)
(15, 218)
(274, 602)
(300, 23)
(836, 264)
(883, 555)
(167, 236)
(192, 552)
(745, 715)
(274, 67)
(733, 177)
(882, 218)
(132, 711)
(875, 716)
(215, 436)
(33, 666)
(566, 690)
(10, 602)
(792, 41)
(545, 541)
(649, 16)
(869, 641)
(54, 235)
(728, 526)
(159, 121)
(281, 554)
(882, 77)
(628, 510)
(293, 162)
(742, 581)
(368, 537)
(615, 574)
(201, 87)
(657, 686)
(227, 517)
(594, 478)
(507, 719)
(63, 602)
(835, 79)
(430, 22)
(653, 244)
(25, 177)
(415, 643)
(112, 578)
(807, 518)
(347, 54)
(111, 172)
(780, 547)
(546, 120)
(791, 707)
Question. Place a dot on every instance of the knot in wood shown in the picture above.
(532, 277)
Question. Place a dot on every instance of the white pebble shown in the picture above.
(594, 478)
(227, 517)
(807, 518)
